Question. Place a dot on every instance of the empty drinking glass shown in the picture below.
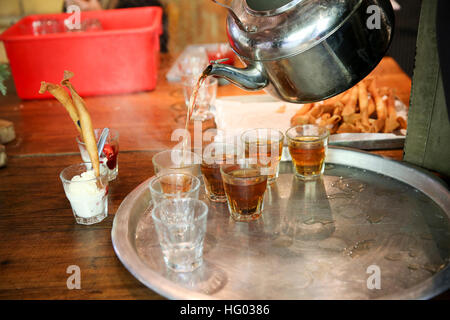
(181, 228)
(46, 26)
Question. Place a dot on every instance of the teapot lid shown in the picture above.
(274, 29)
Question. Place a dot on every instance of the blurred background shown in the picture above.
(187, 21)
(202, 21)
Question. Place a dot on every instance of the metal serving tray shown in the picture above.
(368, 141)
(316, 240)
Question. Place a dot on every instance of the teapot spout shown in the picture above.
(250, 78)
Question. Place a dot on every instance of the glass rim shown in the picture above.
(236, 151)
(194, 189)
(115, 136)
(320, 136)
(256, 129)
(238, 163)
(103, 172)
(204, 208)
(196, 157)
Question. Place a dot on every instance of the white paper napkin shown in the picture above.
(236, 114)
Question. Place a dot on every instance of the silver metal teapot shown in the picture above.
(305, 50)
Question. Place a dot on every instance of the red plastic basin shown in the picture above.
(122, 57)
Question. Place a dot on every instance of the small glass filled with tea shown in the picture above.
(307, 146)
(215, 155)
(244, 186)
(174, 185)
(266, 145)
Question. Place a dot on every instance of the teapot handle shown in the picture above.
(235, 17)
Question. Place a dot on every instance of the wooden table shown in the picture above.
(39, 238)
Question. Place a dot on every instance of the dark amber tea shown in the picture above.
(172, 184)
(245, 199)
(215, 155)
(308, 155)
(213, 181)
(308, 146)
(244, 187)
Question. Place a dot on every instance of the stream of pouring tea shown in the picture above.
(191, 108)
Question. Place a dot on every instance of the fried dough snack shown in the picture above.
(86, 123)
(363, 108)
(391, 121)
(63, 97)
